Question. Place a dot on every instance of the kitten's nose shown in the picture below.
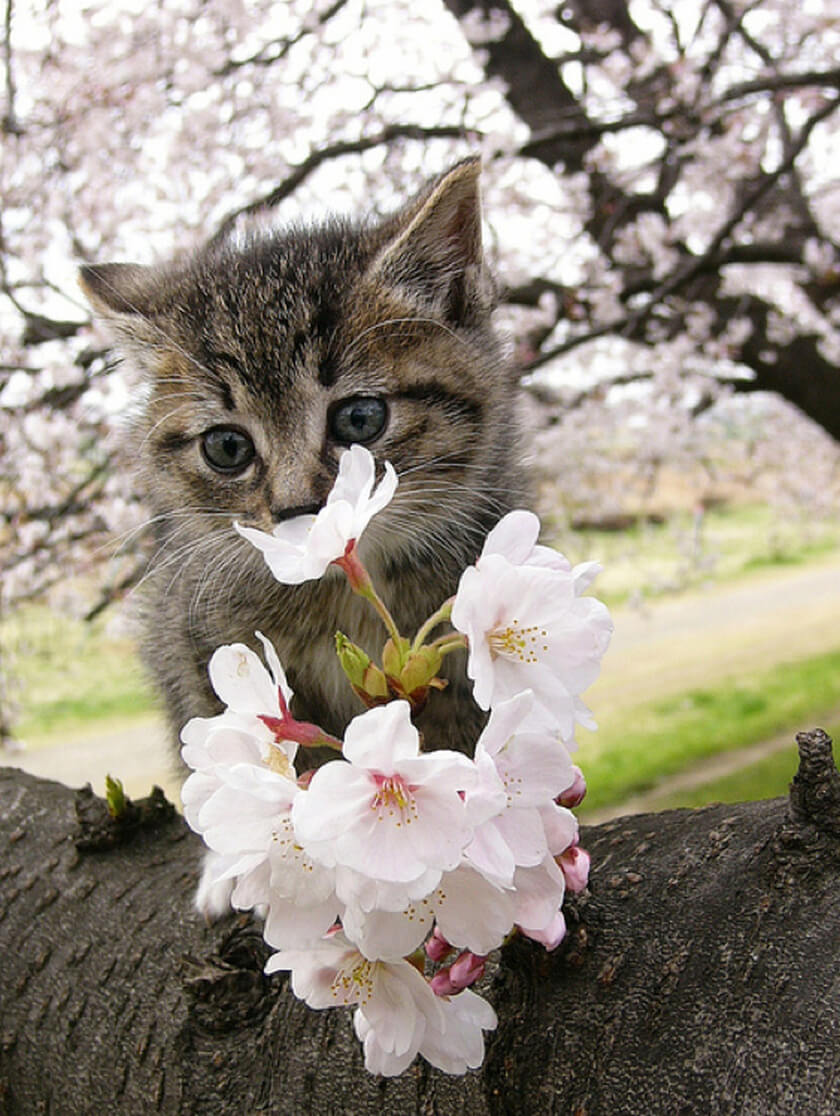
(278, 514)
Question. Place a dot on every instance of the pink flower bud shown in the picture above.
(574, 864)
(573, 795)
(437, 947)
(466, 969)
(550, 936)
(442, 985)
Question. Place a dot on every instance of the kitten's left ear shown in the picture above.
(433, 248)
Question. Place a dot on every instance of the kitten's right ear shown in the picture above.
(122, 294)
(116, 288)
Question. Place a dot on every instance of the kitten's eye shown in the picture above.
(359, 419)
(227, 450)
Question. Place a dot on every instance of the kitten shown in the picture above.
(265, 355)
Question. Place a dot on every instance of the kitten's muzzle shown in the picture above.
(279, 514)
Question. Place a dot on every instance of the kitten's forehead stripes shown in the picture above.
(281, 299)
(435, 394)
(213, 360)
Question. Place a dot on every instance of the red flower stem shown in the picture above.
(303, 733)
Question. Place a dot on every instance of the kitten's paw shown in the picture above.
(212, 899)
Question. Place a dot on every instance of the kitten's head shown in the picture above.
(267, 354)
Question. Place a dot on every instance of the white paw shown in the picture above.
(212, 899)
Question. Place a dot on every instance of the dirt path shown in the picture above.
(698, 639)
(139, 754)
(706, 637)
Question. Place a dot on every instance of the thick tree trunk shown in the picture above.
(700, 975)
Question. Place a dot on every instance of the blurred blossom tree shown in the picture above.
(663, 210)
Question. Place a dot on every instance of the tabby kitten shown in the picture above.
(265, 355)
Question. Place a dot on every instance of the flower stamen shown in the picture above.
(394, 796)
(517, 642)
(353, 983)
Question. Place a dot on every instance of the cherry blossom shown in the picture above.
(382, 851)
(574, 864)
(397, 1013)
(251, 694)
(459, 1044)
(575, 793)
(532, 767)
(394, 1003)
(242, 809)
(390, 812)
(300, 549)
(471, 912)
(528, 627)
(538, 896)
(464, 971)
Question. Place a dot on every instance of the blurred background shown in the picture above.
(662, 209)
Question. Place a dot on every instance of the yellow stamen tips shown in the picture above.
(512, 786)
(394, 799)
(516, 642)
(243, 668)
(353, 984)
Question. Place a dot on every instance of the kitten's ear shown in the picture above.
(122, 294)
(116, 288)
(432, 248)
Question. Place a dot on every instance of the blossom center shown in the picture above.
(394, 798)
(519, 642)
(353, 981)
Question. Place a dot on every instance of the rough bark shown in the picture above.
(700, 974)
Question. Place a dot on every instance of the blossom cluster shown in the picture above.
(391, 860)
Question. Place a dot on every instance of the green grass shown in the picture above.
(767, 778)
(654, 559)
(65, 674)
(633, 750)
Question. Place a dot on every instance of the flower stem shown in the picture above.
(452, 641)
(299, 732)
(324, 741)
(361, 583)
(439, 617)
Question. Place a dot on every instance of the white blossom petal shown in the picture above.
(303, 547)
(458, 1045)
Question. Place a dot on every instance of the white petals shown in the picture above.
(527, 625)
(390, 813)
(459, 1044)
(395, 1005)
(300, 549)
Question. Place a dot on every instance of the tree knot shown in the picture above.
(815, 790)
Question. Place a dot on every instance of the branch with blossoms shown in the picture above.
(387, 876)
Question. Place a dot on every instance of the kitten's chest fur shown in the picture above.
(301, 622)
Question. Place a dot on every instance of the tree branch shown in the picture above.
(315, 159)
(693, 967)
(281, 46)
